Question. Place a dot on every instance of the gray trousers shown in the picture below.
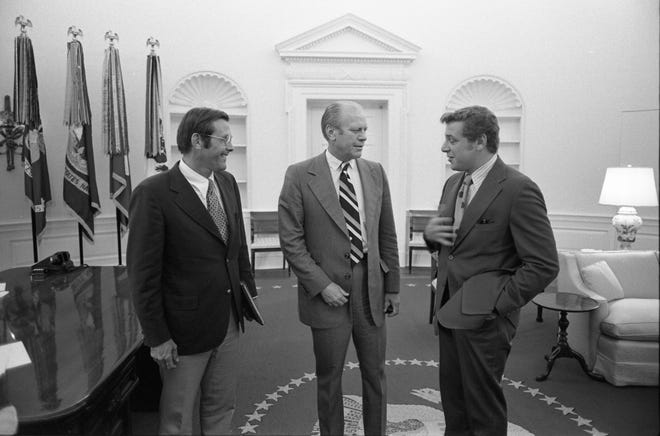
(210, 376)
(330, 346)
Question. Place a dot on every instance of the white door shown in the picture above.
(376, 113)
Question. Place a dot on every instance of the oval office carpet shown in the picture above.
(277, 388)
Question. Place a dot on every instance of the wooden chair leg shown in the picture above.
(252, 259)
(409, 260)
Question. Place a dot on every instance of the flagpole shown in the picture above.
(80, 244)
(118, 215)
(35, 250)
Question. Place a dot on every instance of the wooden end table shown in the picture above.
(564, 303)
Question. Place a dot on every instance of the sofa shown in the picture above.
(619, 340)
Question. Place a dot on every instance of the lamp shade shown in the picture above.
(629, 186)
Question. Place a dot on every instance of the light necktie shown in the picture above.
(462, 200)
(349, 204)
(217, 211)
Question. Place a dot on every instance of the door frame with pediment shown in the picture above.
(319, 70)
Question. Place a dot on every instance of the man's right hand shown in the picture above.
(165, 354)
(334, 295)
(440, 230)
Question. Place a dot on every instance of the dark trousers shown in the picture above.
(330, 346)
(471, 368)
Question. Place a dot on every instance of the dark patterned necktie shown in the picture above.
(217, 211)
(462, 200)
(349, 204)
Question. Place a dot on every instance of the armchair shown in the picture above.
(619, 340)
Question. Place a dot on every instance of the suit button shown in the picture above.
(347, 276)
(227, 260)
(229, 291)
(451, 257)
(347, 255)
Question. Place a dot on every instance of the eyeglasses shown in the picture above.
(226, 139)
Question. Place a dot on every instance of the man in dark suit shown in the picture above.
(337, 233)
(187, 255)
(496, 250)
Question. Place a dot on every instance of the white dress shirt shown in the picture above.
(353, 173)
(478, 177)
(199, 183)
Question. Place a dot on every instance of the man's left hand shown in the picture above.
(392, 301)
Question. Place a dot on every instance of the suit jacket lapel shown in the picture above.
(489, 189)
(320, 183)
(188, 201)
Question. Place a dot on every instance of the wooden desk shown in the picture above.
(81, 334)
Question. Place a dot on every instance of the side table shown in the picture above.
(564, 303)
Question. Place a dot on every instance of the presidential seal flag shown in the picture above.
(115, 132)
(154, 140)
(26, 115)
(80, 191)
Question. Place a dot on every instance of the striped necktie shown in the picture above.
(217, 211)
(462, 200)
(349, 204)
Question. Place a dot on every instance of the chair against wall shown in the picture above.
(417, 221)
(264, 235)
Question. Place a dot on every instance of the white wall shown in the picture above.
(582, 69)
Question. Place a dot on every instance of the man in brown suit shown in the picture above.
(496, 250)
(346, 260)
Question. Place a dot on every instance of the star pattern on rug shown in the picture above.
(286, 388)
(274, 396)
(296, 381)
(565, 410)
(549, 400)
(256, 416)
(248, 428)
(533, 392)
(593, 431)
(581, 421)
(263, 405)
(517, 384)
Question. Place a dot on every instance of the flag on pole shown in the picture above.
(80, 191)
(154, 139)
(115, 132)
(26, 114)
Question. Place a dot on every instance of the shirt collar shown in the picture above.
(193, 176)
(480, 173)
(334, 163)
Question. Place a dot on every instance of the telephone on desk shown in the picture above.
(59, 262)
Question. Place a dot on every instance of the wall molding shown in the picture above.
(571, 231)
